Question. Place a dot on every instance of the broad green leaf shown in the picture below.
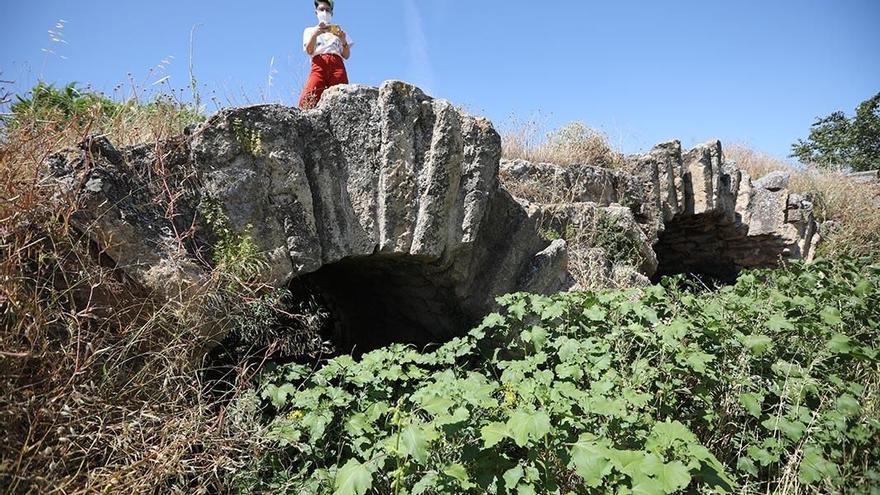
(814, 467)
(646, 485)
(316, 422)
(524, 426)
(478, 391)
(427, 482)
(651, 464)
(278, 395)
(831, 316)
(778, 323)
(848, 406)
(595, 313)
(673, 476)
(512, 477)
(794, 430)
(460, 415)
(357, 424)
(615, 408)
(518, 309)
(862, 288)
(666, 434)
(376, 410)
(568, 349)
(525, 489)
(785, 369)
(761, 456)
(537, 336)
(553, 311)
(285, 434)
(460, 474)
(757, 343)
(414, 442)
(626, 461)
(493, 320)
(436, 404)
(746, 465)
(353, 479)
(493, 433)
(752, 403)
(698, 360)
(839, 344)
(590, 460)
(674, 331)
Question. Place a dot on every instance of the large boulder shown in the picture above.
(387, 199)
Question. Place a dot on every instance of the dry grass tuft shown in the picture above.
(851, 208)
(100, 387)
(575, 143)
(755, 163)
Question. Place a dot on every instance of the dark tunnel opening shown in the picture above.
(353, 306)
(374, 301)
(700, 246)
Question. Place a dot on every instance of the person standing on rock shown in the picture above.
(328, 46)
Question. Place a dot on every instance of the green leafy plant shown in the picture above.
(839, 141)
(234, 252)
(609, 235)
(249, 139)
(46, 106)
(771, 382)
(48, 103)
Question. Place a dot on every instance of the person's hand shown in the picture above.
(322, 28)
(340, 33)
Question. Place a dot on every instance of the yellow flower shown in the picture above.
(509, 396)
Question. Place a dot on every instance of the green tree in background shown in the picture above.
(837, 140)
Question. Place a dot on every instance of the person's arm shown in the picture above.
(346, 44)
(310, 40)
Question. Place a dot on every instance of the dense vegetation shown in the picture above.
(838, 141)
(769, 385)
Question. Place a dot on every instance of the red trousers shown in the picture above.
(327, 70)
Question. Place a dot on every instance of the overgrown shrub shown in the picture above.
(837, 141)
(103, 389)
(70, 112)
(574, 143)
(596, 244)
(770, 385)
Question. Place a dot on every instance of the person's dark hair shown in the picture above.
(328, 2)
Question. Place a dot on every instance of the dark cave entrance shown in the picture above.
(353, 306)
(702, 246)
(377, 300)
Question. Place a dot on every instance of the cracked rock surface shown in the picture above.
(694, 211)
(374, 179)
(389, 202)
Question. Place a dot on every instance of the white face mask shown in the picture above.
(324, 16)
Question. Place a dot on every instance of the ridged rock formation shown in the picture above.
(384, 199)
(388, 204)
(696, 212)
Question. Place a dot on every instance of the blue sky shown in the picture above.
(745, 71)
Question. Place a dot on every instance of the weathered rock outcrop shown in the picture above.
(871, 179)
(696, 212)
(388, 203)
(385, 199)
(867, 177)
